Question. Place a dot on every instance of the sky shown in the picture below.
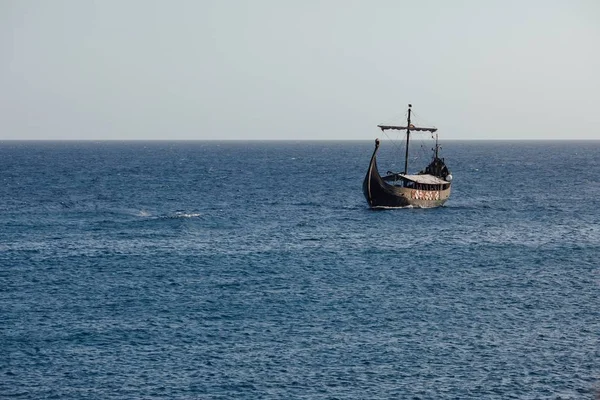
(298, 69)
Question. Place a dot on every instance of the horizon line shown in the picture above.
(288, 140)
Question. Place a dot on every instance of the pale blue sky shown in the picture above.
(137, 69)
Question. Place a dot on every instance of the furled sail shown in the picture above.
(401, 128)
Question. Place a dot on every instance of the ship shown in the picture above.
(428, 188)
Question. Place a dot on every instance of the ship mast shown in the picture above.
(409, 128)
(407, 140)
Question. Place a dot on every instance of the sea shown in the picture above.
(256, 270)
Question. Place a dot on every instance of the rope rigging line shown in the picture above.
(421, 121)
(397, 150)
(420, 146)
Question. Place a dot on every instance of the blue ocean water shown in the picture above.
(255, 270)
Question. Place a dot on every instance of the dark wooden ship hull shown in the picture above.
(423, 191)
